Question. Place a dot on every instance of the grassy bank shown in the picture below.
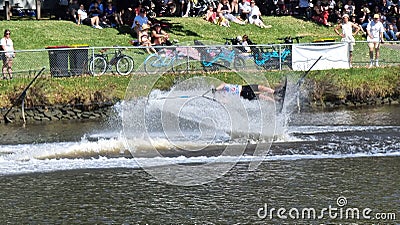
(329, 85)
(39, 34)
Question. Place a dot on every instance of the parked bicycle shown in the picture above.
(168, 58)
(284, 55)
(271, 58)
(212, 58)
(99, 63)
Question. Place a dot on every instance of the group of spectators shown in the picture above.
(248, 12)
(106, 13)
(330, 12)
(148, 34)
(98, 14)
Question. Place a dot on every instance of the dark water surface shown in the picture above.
(333, 167)
(132, 196)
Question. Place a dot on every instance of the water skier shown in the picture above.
(250, 92)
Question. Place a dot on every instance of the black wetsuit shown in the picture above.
(248, 92)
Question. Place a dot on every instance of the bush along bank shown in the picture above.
(336, 102)
(342, 88)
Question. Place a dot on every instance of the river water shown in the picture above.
(333, 167)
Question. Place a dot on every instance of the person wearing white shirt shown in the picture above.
(84, 19)
(347, 34)
(375, 31)
(255, 16)
(8, 55)
(244, 9)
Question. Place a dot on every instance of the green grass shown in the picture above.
(33, 34)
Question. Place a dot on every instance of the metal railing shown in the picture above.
(66, 62)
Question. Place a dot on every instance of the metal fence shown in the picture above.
(78, 60)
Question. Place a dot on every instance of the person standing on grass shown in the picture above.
(375, 31)
(8, 54)
(347, 34)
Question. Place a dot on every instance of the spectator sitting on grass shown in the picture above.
(97, 9)
(84, 19)
(113, 17)
(211, 16)
(389, 33)
(255, 16)
(321, 13)
(350, 8)
(139, 21)
(145, 40)
(244, 10)
(224, 10)
(353, 19)
(72, 10)
(235, 7)
(246, 42)
(160, 37)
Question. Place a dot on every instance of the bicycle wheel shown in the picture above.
(180, 64)
(124, 65)
(239, 64)
(288, 61)
(97, 66)
(152, 64)
(272, 63)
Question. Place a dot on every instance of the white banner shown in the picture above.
(334, 56)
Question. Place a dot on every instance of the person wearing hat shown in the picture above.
(139, 21)
(144, 38)
(160, 37)
(375, 31)
(347, 33)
